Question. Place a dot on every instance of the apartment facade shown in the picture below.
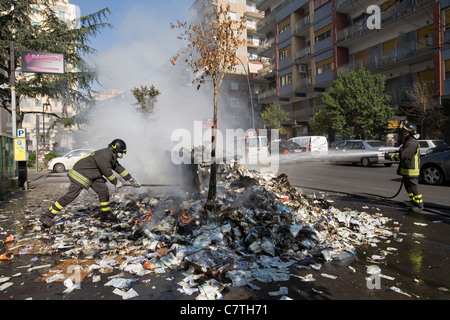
(37, 123)
(310, 42)
(238, 101)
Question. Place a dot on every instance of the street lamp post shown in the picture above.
(250, 92)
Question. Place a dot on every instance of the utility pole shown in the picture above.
(13, 90)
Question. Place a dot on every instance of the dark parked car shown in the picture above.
(435, 168)
(285, 146)
(442, 148)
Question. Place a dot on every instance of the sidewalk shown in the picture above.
(33, 175)
(10, 185)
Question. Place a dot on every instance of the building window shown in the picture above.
(283, 54)
(324, 66)
(232, 15)
(322, 36)
(447, 69)
(286, 79)
(284, 29)
(234, 102)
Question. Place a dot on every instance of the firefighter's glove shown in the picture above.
(134, 183)
(387, 156)
(119, 184)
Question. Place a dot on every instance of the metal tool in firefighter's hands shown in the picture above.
(153, 185)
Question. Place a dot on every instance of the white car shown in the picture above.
(66, 162)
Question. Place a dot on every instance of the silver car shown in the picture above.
(425, 145)
(435, 168)
(365, 152)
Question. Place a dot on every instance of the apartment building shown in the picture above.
(311, 42)
(238, 103)
(36, 124)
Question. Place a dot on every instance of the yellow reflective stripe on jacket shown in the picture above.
(416, 170)
(124, 173)
(111, 177)
(395, 157)
(79, 178)
(409, 172)
(88, 155)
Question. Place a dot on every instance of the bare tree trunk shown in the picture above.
(212, 192)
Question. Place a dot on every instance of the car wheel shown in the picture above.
(433, 175)
(59, 167)
(388, 164)
(365, 162)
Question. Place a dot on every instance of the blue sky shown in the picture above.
(139, 42)
(124, 13)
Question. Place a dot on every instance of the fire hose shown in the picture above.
(429, 208)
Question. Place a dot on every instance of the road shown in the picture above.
(414, 263)
(314, 174)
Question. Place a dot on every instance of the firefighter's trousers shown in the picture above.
(99, 186)
(412, 187)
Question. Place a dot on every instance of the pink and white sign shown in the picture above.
(40, 62)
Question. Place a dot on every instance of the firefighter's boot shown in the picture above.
(47, 219)
(107, 217)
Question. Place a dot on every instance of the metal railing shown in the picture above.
(7, 169)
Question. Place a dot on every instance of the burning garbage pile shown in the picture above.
(260, 215)
(262, 226)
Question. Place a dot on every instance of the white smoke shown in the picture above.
(145, 46)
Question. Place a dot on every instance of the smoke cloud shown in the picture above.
(145, 45)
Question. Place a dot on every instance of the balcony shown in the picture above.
(325, 77)
(323, 45)
(267, 45)
(303, 53)
(271, 93)
(397, 13)
(303, 84)
(286, 90)
(354, 65)
(266, 24)
(352, 31)
(399, 53)
(285, 35)
(301, 25)
(266, 70)
(387, 57)
(285, 63)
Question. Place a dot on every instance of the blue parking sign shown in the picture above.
(21, 133)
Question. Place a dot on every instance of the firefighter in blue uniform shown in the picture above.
(89, 172)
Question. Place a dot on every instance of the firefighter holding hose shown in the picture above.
(409, 167)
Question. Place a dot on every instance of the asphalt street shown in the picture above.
(414, 263)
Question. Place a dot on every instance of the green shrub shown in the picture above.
(49, 156)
